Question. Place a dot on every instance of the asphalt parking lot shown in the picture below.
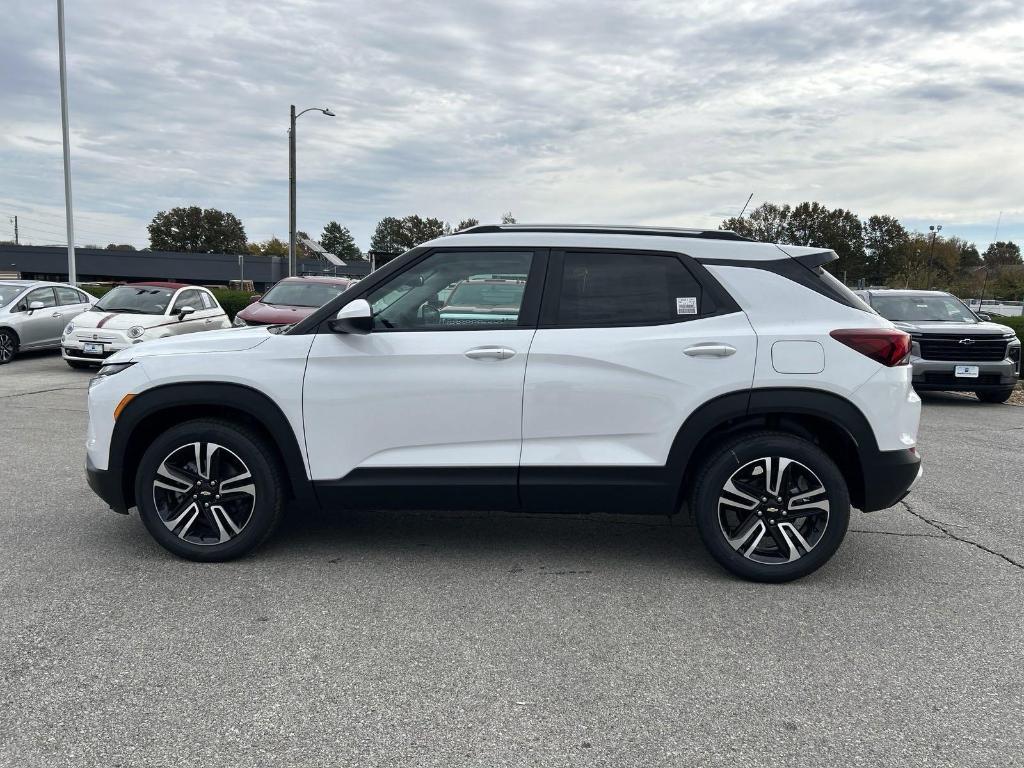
(487, 640)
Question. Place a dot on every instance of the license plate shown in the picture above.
(97, 349)
(966, 372)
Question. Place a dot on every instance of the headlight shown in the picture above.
(136, 332)
(109, 369)
(238, 322)
(69, 328)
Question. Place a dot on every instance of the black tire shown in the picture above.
(770, 525)
(8, 345)
(79, 366)
(995, 395)
(237, 450)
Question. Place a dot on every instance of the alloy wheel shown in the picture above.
(773, 510)
(204, 493)
(6, 348)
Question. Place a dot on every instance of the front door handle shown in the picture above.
(490, 353)
(712, 349)
(57, 314)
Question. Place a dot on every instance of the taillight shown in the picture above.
(886, 346)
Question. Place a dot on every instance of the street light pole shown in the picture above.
(72, 272)
(292, 260)
(931, 252)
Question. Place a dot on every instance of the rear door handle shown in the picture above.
(490, 353)
(57, 314)
(712, 349)
(209, 320)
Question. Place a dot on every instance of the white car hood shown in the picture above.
(120, 321)
(227, 340)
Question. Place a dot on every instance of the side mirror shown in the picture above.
(185, 312)
(355, 317)
(32, 307)
(984, 316)
(255, 297)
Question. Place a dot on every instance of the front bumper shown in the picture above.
(73, 349)
(107, 485)
(889, 476)
(932, 375)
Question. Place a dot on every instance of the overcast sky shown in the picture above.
(622, 112)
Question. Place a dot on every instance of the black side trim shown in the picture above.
(145, 410)
(462, 488)
(106, 485)
(888, 476)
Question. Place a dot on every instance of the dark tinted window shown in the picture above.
(626, 289)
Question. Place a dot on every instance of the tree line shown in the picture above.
(880, 251)
(208, 230)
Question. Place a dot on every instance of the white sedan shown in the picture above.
(137, 312)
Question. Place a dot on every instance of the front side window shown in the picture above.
(187, 299)
(454, 291)
(135, 299)
(44, 295)
(622, 289)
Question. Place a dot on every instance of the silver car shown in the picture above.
(33, 314)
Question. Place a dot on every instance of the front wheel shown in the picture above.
(771, 507)
(995, 395)
(209, 490)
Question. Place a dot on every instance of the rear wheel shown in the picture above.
(8, 346)
(771, 507)
(209, 490)
(995, 395)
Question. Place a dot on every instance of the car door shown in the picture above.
(628, 345)
(213, 316)
(40, 327)
(424, 404)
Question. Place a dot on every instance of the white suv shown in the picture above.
(642, 370)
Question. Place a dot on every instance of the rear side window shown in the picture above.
(837, 290)
(622, 289)
(69, 296)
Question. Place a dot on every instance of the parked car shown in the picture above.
(131, 314)
(643, 370)
(33, 312)
(953, 348)
(483, 300)
(292, 299)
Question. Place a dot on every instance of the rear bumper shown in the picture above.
(107, 485)
(889, 476)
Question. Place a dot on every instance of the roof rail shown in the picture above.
(706, 234)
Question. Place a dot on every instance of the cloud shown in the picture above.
(646, 111)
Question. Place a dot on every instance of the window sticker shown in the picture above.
(686, 305)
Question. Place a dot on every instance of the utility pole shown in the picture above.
(68, 208)
(291, 194)
(16, 242)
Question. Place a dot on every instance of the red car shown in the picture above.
(292, 299)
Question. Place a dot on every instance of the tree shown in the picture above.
(466, 224)
(197, 230)
(1002, 253)
(338, 240)
(508, 218)
(274, 247)
(767, 223)
(120, 247)
(885, 243)
(389, 236)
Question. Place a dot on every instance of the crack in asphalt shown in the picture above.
(40, 392)
(942, 527)
(898, 533)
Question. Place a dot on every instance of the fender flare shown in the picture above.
(224, 396)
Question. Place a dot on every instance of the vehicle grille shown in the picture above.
(101, 338)
(982, 348)
(939, 379)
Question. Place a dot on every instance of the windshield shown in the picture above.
(8, 292)
(135, 299)
(918, 309)
(296, 294)
(470, 294)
